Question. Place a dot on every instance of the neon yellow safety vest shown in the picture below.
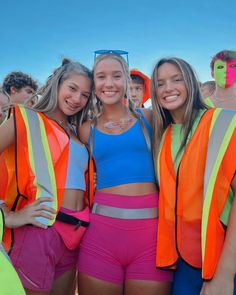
(9, 281)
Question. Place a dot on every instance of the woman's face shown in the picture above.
(109, 80)
(171, 90)
(73, 94)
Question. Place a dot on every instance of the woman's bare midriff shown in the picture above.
(131, 189)
(73, 199)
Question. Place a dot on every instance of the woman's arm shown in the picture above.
(7, 136)
(26, 215)
(223, 280)
(84, 130)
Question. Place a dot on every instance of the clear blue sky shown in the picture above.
(35, 35)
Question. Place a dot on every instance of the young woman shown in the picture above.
(43, 165)
(117, 253)
(193, 149)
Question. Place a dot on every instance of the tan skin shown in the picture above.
(76, 90)
(114, 110)
(171, 84)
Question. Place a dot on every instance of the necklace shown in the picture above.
(120, 124)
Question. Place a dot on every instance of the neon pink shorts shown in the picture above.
(116, 250)
(40, 256)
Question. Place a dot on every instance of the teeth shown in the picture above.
(109, 92)
(171, 97)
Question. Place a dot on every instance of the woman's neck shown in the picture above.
(58, 116)
(114, 112)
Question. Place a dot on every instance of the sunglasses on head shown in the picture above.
(112, 51)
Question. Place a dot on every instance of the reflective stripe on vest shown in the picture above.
(223, 126)
(40, 158)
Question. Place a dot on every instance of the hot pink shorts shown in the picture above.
(115, 250)
(40, 256)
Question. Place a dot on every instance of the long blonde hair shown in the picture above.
(97, 104)
(49, 92)
(162, 117)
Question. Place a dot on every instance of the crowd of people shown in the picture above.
(101, 195)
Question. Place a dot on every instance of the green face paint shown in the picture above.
(220, 73)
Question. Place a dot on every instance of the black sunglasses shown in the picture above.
(112, 51)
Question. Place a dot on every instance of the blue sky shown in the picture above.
(35, 35)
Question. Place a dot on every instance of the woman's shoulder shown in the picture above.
(84, 131)
(147, 113)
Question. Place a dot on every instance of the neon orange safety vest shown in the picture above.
(191, 202)
(36, 166)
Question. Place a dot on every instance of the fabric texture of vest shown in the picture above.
(190, 203)
(36, 166)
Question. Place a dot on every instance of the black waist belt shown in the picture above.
(63, 217)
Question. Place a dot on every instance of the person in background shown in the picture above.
(207, 88)
(223, 70)
(139, 88)
(20, 87)
(193, 148)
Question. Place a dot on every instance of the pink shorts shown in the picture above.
(115, 250)
(40, 256)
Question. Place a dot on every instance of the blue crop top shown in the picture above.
(123, 158)
(77, 165)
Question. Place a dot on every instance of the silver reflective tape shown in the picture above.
(124, 213)
(216, 138)
(41, 167)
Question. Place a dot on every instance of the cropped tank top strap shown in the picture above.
(143, 118)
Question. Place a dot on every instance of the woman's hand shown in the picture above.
(28, 214)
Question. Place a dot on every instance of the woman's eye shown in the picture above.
(160, 84)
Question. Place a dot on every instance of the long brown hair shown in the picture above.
(162, 117)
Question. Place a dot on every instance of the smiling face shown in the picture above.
(73, 94)
(109, 80)
(225, 73)
(171, 90)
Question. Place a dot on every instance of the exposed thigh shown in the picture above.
(65, 284)
(88, 285)
(136, 287)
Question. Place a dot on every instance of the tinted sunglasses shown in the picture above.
(112, 51)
